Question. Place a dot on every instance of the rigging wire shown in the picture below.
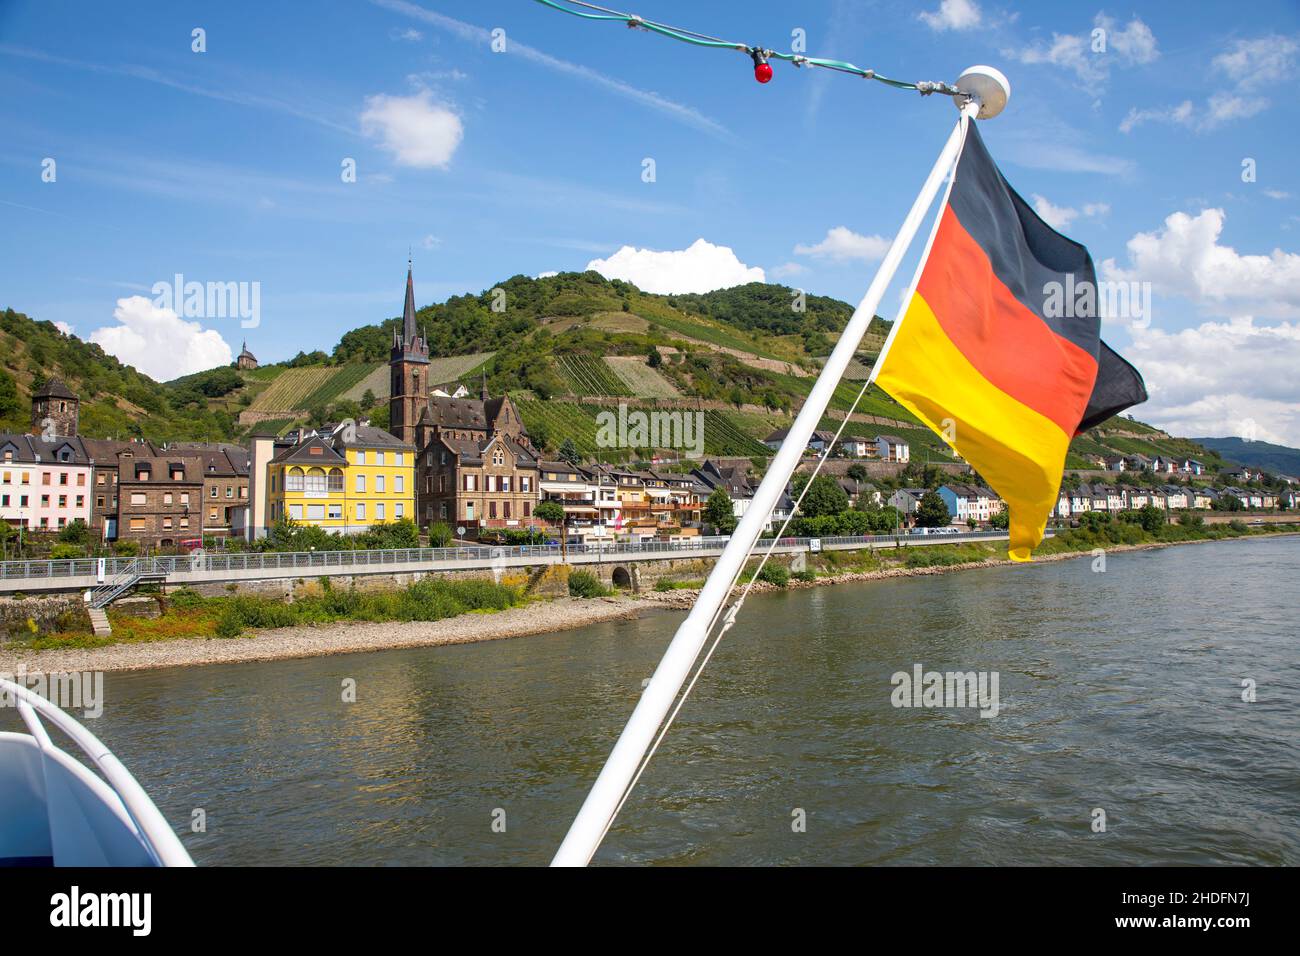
(760, 55)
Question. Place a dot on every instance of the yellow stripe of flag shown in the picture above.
(1006, 442)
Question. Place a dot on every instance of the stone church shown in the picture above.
(476, 466)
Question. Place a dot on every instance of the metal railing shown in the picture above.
(151, 828)
(136, 570)
(298, 562)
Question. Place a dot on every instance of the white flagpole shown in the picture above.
(588, 828)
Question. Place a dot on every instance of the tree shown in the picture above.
(824, 497)
(1000, 520)
(75, 532)
(552, 512)
(540, 435)
(569, 452)
(718, 511)
(439, 534)
(653, 358)
(1151, 518)
(932, 512)
(10, 407)
(858, 472)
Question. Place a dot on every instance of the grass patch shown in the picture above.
(662, 585)
(191, 615)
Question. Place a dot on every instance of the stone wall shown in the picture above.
(24, 618)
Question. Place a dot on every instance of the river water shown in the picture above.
(1119, 692)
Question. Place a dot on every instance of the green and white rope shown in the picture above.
(924, 87)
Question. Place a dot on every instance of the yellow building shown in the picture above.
(343, 478)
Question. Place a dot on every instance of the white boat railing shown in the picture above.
(155, 833)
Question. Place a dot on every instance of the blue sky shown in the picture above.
(226, 165)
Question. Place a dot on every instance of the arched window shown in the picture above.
(315, 481)
(293, 480)
(498, 457)
(336, 479)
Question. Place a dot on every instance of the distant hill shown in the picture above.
(1260, 454)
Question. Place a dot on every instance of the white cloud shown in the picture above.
(952, 15)
(843, 244)
(415, 129)
(547, 274)
(430, 242)
(1279, 194)
(1219, 377)
(158, 342)
(1084, 54)
(410, 34)
(702, 267)
(1135, 44)
(1250, 66)
(787, 269)
(64, 327)
(1181, 115)
(1068, 51)
(1185, 258)
(1059, 217)
(1255, 64)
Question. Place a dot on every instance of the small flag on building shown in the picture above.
(999, 350)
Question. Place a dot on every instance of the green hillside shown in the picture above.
(747, 356)
(116, 400)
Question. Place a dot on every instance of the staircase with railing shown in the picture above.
(137, 571)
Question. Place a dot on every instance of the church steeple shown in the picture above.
(407, 363)
(408, 310)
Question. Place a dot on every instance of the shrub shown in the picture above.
(63, 551)
(777, 574)
(185, 598)
(126, 549)
(584, 584)
(805, 576)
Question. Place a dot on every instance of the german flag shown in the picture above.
(993, 355)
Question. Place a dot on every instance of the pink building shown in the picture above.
(45, 484)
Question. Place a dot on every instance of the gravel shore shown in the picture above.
(345, 637)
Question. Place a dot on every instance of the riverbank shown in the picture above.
(536, 617)
(344, 637)
(685, 597)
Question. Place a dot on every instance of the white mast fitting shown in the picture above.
(987, 93)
